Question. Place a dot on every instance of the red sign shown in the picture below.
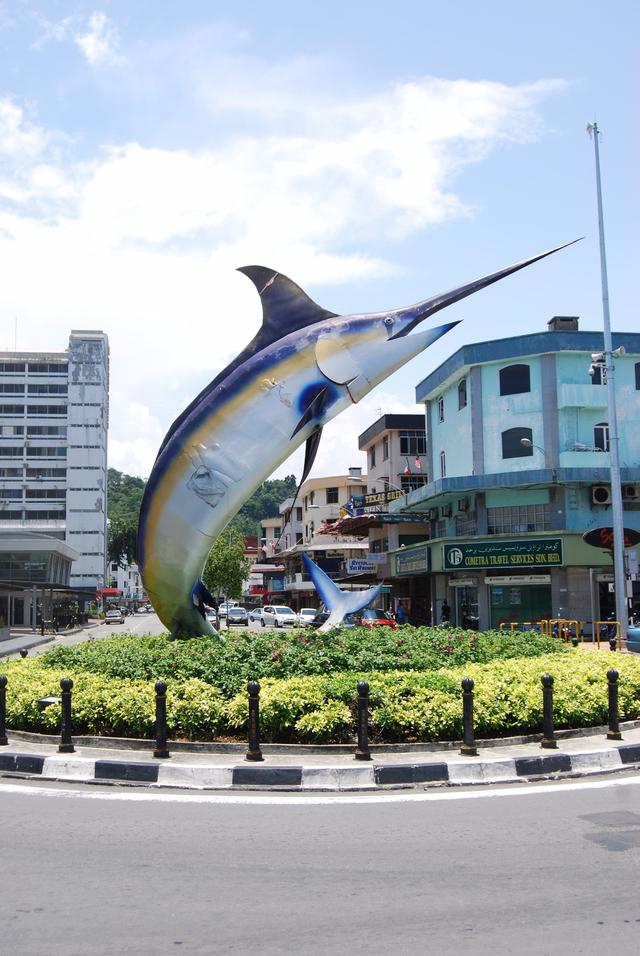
(603, 538)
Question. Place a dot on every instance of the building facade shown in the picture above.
(54, 419)
(518, 462)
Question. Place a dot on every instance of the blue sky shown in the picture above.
(375, 153)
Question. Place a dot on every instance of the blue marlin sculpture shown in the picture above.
(303, 367)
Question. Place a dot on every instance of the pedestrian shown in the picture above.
(445, 612)
(401, 614)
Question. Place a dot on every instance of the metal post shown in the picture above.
(362, 750)
(548, 735)
(613, 733)
(66, 743)
(254, 752)
(468, 748)
(3, 711)
(161, 749)
(617, 514)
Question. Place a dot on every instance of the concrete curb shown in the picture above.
(372, 776)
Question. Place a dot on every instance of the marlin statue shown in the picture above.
(304, 366)
(338, 602)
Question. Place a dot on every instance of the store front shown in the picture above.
(519, 599)
(410, 567)
(466, 607)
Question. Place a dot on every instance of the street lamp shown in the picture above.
(606, 358)
(529, 444)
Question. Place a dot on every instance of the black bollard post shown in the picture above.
(161, 749)
(574, 640)
(23, 652)
(3, 711)
(468, 748)
(548, 735)
(613, 643)
(613, 733)
(362, 750)
(254, 752)
(66, 743)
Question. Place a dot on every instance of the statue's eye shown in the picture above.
(388, 320)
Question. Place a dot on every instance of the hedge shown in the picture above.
(228, 663)
(405, 705)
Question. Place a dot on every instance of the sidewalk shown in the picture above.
(498, 762)
(25, 638)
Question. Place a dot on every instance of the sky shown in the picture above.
(375, 153)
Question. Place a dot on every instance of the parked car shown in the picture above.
(237, 615)
(256, 614)
(278, 616)
(224, 607)
(114, 615)
(212, 617)
(374, 617)
(306, 616)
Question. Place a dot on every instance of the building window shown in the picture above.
(518, 519)
(440, 402)
(299, 537)
(443, 465)
(411, 482)
(637, 368)
(385, 448)
(372, 457)
(512, 446)
(601, 436)
(312, 496)
(515, 379)
(413, 442)
(332, 496)
(598, 374)
(462, 394)
(466, 523)
(379, 545)
(298, 514)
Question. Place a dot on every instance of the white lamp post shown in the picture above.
(614, 452)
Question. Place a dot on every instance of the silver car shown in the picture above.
(278, 615)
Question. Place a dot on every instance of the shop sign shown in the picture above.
(517, 579)
(525, 553)
(463, 582)
(360, 566)
(377, 558)
(377, 498)
(603, 538)
(413, 561)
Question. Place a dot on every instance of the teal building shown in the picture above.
(518, 463)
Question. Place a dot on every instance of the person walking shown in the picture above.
(401, 615)
(445, 612)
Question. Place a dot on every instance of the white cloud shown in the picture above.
(99, 44)
(142, 242)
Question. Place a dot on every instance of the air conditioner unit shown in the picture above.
(630, 492)
(445, 511)
(463, 504)
(601, 494)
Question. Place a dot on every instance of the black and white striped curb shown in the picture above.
(370, 777)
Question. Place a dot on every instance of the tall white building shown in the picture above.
(54, 418)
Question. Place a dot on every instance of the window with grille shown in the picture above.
(385, 448)
(515, 379)
(413, 442)
(462, 394)
(411, 482)
(440, 403)
(466, 523)
(518, 519)
(372, 457)
(443, 464)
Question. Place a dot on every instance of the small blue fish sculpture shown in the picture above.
(304, 366)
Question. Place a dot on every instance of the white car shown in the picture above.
(256, 614)
(224, 607)
(114, 616)
(306, 615)
(278, 615)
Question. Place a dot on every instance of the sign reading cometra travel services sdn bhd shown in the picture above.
(536, 553)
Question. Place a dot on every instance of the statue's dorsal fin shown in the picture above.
(285, 307)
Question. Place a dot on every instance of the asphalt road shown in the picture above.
(540, 869)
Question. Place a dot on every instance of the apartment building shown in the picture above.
(54, 419)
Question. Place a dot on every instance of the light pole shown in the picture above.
(529, 444)
(614, 454)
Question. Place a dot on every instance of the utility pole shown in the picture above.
(620, 582)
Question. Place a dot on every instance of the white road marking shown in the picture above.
(283, 799)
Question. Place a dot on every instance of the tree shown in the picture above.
(122, 536)
(227, 568)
